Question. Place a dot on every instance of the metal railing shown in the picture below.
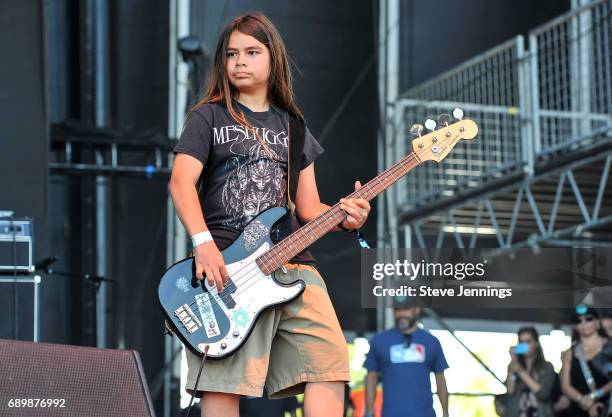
(571, 68)
(527, 102)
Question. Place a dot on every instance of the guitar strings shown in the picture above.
(411, 157)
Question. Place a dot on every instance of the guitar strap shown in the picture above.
(588, 376)
(297, 137)
(584, 367)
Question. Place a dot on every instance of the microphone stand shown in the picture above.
(45, 267)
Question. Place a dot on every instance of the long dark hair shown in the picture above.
(539, 360)
(280, 89)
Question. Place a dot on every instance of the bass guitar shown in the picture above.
(219, 323)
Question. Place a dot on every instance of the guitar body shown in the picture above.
(199, 315)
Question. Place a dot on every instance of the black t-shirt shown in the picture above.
(240, 179)
(578, 381)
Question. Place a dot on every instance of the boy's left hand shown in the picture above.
(357, 210)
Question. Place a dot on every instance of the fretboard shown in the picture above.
(309, 233)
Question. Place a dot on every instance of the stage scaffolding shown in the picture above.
(538, 172)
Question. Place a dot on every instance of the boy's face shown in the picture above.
(248, 63)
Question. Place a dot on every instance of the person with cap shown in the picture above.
(404, 357)
(582, 382)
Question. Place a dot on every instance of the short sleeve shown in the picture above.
(196, 137)
(372, 361)
(312, 149)
(438, 363)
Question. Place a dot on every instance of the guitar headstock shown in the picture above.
(438, 143)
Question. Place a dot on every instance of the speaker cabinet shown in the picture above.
(43, 379)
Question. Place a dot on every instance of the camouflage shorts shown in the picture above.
(293, 344)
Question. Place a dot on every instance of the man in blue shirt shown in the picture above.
(404, 357)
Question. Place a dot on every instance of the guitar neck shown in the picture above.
(306, 235)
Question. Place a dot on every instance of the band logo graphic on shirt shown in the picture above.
(402, 354)
(255, 184)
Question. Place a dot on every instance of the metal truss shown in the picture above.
(566, 203)
(97, 151)
(538, 172)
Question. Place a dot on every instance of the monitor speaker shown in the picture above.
(43, 379)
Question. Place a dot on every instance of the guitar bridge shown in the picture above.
(188, 318)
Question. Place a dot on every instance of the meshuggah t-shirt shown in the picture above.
(240, 178)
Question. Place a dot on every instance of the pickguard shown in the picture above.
(254, 291)
(244, 275)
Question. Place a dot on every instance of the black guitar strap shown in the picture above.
(297, 136)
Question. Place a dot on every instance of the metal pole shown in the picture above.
(585, 49)
(37, 281)
(101, 66)
(407, 236)
(391, 92)
(101, 61)
(580, 50)
(380, 202)
(170, 215)
(392, 86)
(528, 114)
(176, 246)
(534, 93)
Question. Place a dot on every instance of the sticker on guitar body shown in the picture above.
(208, 316)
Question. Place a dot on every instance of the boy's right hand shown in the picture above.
(209, 261)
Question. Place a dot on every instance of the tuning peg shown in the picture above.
(444, 119)
(458, 113)
(430, 124)
(416, 129)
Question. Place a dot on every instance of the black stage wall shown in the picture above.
(439, 34)
(137, 87)
(24, 142)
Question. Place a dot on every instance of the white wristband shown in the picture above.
(201, 238)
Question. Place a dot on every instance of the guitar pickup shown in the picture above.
(188, 318)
